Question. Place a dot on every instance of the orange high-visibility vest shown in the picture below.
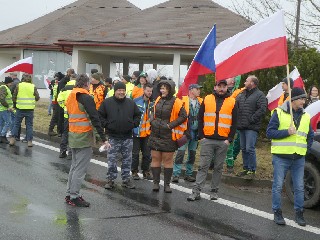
(237, 92)
(145, 125)
(79, 121)
(282, 100)
(185, 100)
(225, 116)
(98, 94)
(137, 92)
(178, 131)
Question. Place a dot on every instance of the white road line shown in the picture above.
(221, 201)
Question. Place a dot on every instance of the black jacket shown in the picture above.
(219, 102)
(252, 106)
(119, 117)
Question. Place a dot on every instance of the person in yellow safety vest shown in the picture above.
(289, 145)
(97, 89)
(217, 127)
(6, 107)
(24, 100)
(141, 136)
(55, 106)
(126, 79)
(83, 117)
(62, 98)
(192, 104)
(285, 95)
(138, 89)
(168, 124)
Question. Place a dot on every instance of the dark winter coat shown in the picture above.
(119, 117)
(161, 136)
(252, 106)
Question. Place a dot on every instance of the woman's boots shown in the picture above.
(156, 179)
(167, 172)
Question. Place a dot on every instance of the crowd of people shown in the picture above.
(141, 113)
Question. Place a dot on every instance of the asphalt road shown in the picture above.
(32, 191)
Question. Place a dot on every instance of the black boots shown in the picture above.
(156, 178)
(299, 218)
(167, 172)
(277, 217)
(3, 139)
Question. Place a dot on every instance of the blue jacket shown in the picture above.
(274, 133)
(143, 107)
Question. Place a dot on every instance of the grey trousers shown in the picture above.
(79, 165)
(209, 148)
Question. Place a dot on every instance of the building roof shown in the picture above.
(73, 18)
(175, 22)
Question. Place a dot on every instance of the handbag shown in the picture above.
(182, 141)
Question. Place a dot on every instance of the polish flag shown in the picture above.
(314, 111)
(263, 45)
(275, 93)
(23, 65)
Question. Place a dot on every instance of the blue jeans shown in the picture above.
(28, 115)
(5, 121)
(280, 168)
(248, 139)
(192, 147)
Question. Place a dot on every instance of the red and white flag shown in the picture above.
(23, 65)
(314, 111)
(275, 93)
(263, 45)
(297, 79)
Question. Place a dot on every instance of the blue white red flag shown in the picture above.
(203, 62)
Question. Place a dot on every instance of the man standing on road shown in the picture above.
(119, 115)
(24, 100)
(192, 104)
(141, 136)
(289, 146)
(82, 115)
(252, 105)
(217, 127)
(6, 107)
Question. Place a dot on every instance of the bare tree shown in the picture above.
(303, 17)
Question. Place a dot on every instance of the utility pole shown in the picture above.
(296, 37)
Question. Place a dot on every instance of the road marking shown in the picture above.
(221, 201)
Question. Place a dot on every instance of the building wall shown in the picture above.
(46, 64)
(5, 60)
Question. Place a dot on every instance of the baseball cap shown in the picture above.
(191, 86)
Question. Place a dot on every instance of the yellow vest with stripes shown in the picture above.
(25, 97)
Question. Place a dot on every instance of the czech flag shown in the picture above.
(263, 45)
(23, 65)
(203, 63)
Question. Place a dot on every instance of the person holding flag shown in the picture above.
(291, 137)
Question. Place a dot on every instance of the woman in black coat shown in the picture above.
(161, 141)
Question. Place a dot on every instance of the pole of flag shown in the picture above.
(289, 86)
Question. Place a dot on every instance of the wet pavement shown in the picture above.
(32, 191)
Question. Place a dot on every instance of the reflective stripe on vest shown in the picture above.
(79, 121)
(178, 131)
(25, 97)
(295, 143)
(8, 99)
(225, 116)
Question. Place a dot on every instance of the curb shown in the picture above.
(227, 179)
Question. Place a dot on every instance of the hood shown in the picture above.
(171, 86)
(152, 75)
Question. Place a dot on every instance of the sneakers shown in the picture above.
(135, 175)
(109, 184)
(242, 173)
(147, 175)
(30, 144)
(12, 141)
(77, 202)
(194, 196)
(278, 219)
(189, 178)
(250, 175)
(62, 154)
(128, 184)
(214, 195)
(24, 140)
(51, 133)
(175, 179)
(300, 219)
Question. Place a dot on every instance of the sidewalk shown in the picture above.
(227, 179)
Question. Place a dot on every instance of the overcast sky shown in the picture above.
(17, 12)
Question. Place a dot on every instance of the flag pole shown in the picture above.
(289, 88)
